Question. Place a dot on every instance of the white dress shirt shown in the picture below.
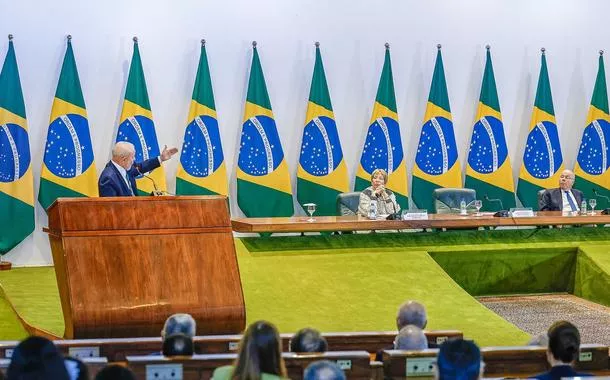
(566, 204)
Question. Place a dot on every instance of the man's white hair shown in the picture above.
(122, 149)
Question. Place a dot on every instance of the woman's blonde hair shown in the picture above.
(382, 172)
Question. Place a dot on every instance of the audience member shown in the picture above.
(178, 345)
(411, 337)
(36, 358)
(115, 372)
(77, 370)
(539, 340)
(259, 356)
(562, 351)
(323, 370)
(411, 313)
(179, 324)
(308, 340)
(459, 359)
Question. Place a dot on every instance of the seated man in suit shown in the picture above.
(564, 198)
(118, 178)
(411, 338)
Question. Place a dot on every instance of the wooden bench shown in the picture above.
(118, 348)
(94, 365)
(499, 361)
(356, 364)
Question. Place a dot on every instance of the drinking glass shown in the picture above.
(311, 208)
(478, 204)
(592, 203)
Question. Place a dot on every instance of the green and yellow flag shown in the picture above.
(488, 170)
(16, 180)
(68, 168)
(542, 158)
(436, 160)
(592, 162)
(383, 145)
(137, 126)
(322, 173)
(263, 180)
(202, 169)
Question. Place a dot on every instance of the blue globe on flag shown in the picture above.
(437, 150)
(260, 151)
(593, 151)
(201, 151)
(320, 150)
(140, 131)
(542, 156)
(382, 147)
(488, 149)
(14, 152)
(68, 152)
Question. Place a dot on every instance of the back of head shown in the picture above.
(564, 341)
(323, 370)
(308, 340)
(539, 340)
(260, 352)
(458, 359)
(411, 337)
(178, 345)
(179, 324)
(37, 358)
(411, 313)
(77, 370)
(115, 372)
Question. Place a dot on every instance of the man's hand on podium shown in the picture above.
(168, 153)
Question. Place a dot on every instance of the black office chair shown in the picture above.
(347, 203)
(447, 200)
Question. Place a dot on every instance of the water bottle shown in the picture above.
(583, 207)
(463, 210)
(373, 210)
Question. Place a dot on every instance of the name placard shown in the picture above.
(415, 215)
(525, 212)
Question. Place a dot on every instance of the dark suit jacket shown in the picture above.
(552, 201)
(112, 184)
(560, 371)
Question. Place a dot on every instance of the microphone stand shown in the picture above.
(502, 213)
(156, 192)
(597, 194)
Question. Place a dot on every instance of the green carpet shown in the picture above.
(10, 327)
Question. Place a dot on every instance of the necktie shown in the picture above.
(129, 184)
(570, 201)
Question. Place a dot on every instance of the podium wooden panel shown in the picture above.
(125, 264)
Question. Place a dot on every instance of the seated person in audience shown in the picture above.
(411, 338)
(562, 351)
(539, 340)
(459, 359)
(564, 198)
(77, 370)
(384, 198)
(177, 345)
(411, 313)
(323, 370)
(115, 372)
(259, 355)
(37, 358)
(181, 323)
(308, 340)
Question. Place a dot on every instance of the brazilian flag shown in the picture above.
(542, 159)
(68, 168)
(322, 173)
(383, 145)
(263, 180)
(488, 170)
(202, 169)
(436, 160)
(592, 162)
(137, 126)
(16, 180)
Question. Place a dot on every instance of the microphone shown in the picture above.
(155, 192)
(597, 194)
(394, 215)
(502, 213)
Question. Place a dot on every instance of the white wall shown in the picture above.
(352, 34)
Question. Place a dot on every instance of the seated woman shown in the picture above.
(259, 356)
(562, 351)
(385, 198)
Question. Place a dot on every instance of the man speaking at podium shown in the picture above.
(118, 178)
(565, 198)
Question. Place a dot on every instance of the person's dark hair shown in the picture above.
(115, 372)
(178, 345)
(36, 358)
(564, 341)
(323, 370)
(77, 370)
(458, 359)
(260, 352)
(308, 340)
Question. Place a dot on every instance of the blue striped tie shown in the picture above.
(570, 201)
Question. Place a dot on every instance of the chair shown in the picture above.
(540, 195)
(448, 199)
(347, 203)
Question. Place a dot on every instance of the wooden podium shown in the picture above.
(124, 265)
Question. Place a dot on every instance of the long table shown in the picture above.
(359, 223)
